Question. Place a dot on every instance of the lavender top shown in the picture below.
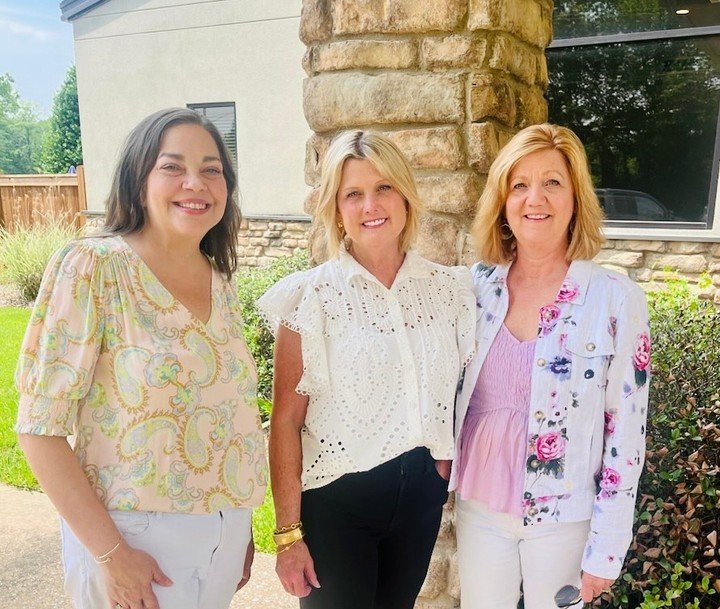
(492, 445)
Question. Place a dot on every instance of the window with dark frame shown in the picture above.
(222, 115)
(639, 82)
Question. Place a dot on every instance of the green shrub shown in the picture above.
(252, 284)
(25, 252)
(674, 560)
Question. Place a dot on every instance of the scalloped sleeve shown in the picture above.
(62, 343)
(466, 319)
(293, 302)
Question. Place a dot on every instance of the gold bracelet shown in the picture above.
(285, 549)
(293, 535)
(106, 558)
(290, 527)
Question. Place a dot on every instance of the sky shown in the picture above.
(36, 49)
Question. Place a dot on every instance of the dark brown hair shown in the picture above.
(125, 211)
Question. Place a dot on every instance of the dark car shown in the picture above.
(621, 204)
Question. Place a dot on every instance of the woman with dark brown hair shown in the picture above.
(135, 348)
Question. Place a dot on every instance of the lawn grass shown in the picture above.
(13, 467)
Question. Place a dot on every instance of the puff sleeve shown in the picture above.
(62, 343)
(292, 302)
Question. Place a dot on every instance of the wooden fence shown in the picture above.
(31, 199)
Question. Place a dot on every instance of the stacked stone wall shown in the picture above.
(261, 240)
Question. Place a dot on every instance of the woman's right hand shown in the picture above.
(129, 577)
(296, 570)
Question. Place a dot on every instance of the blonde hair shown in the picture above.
(389, 163)
(585, 230)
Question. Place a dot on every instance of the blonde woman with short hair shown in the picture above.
(369, 348)
(550, 418)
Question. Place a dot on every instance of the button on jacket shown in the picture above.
(589, 394)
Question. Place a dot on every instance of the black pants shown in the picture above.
(371, 534)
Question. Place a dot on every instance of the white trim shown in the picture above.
(669, 234)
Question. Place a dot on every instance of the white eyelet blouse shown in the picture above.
(380, 366)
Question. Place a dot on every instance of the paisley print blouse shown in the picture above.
(162, 407)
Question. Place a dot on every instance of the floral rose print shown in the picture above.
(609, 483)
(641, 358)
(568, 291)
(609, 423)
(550, 446)
(548, 318)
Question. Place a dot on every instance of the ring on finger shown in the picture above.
(118, 606)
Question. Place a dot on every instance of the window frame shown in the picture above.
(229, 104)
(667, 230)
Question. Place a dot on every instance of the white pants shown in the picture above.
(202, 554)
(496, 554)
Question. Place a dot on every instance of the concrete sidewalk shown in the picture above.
(31, 573)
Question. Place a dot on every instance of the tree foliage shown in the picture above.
(63, 147)
(647, 111)
(21, 132)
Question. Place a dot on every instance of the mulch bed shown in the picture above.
(10, 297)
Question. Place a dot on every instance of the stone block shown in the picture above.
(684, 247)
(643, 275)
(437, 239)
(359, 54)
(542, 77)
(469, 255)
(311, 201)
(308, 61)
(531, 106)
(453, 588)
(315, 149)
(436, 578)
(642, 246)
(315, 21)
(518, 59)
(396, 16)
(669, 273)
(259, 241)
(618, 269)
(454, 193)
(696, 263)
(337, 101)
(529, 20)
(715, 250)
(278, 252)
(492, 97)
(317, 243)
(483, 146)
(455, 51)
(433, 148)
(618, 258)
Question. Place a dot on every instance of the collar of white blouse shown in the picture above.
(413, 267)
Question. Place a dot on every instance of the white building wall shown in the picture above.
(135, 57)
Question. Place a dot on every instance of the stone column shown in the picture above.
(450, 82)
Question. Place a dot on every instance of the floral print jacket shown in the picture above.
(586, 430)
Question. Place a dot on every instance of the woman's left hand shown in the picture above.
(249, 557)
(593, 586)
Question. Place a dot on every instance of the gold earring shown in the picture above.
(340, 225)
